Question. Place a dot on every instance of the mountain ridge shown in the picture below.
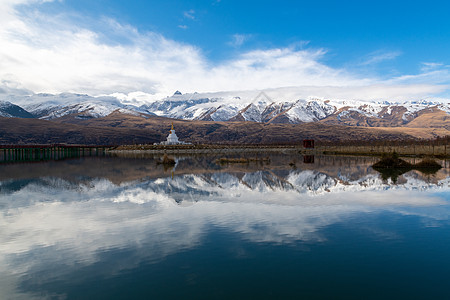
(74, 118)
(229, 107)
(9, 110)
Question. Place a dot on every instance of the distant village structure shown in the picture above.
(309, 144)
(172, 139)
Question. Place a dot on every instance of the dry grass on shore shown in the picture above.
(413, 148)
(440, 151)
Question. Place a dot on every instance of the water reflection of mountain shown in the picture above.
(120, 169)
(199, 178)
(63, 219)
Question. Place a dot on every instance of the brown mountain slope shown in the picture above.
(118, 128)
(35, 131)
(239, 132)
(431, 119)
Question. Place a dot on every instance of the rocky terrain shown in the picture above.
(232, 117)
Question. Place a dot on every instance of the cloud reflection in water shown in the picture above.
(51, 227)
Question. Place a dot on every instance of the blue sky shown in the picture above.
(352, 31)
(152, 47)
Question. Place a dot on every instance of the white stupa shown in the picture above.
(172, 139)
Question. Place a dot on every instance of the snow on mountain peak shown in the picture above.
(272, 105)
(262, 100)
(9, 110)
(47, 106)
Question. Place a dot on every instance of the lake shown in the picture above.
(292, 227)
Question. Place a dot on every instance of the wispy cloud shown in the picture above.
(183, 26)
(429, 66)
(380, 56)
(237, 40)
(190, 14)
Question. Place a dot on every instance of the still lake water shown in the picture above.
(127, 228)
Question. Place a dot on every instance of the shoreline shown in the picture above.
(205, 149)
(413, 151)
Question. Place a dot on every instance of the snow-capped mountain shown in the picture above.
(48, 106)
(231, 107)
(251, 106)
(263, 108)
(9, 110)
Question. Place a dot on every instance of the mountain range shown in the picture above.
(229, 110)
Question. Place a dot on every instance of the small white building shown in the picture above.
(172, 139)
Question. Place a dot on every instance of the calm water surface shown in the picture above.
(126, 227)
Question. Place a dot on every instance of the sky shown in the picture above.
(136, 49)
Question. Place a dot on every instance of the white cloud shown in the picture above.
(44, 53)
(47, 58)
(238, 40)
(190, 14)
(428, 66)
(280, 67)
(380, 56)
(390, 92)
(436, 76)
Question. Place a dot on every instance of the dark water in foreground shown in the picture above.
(124, 228)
